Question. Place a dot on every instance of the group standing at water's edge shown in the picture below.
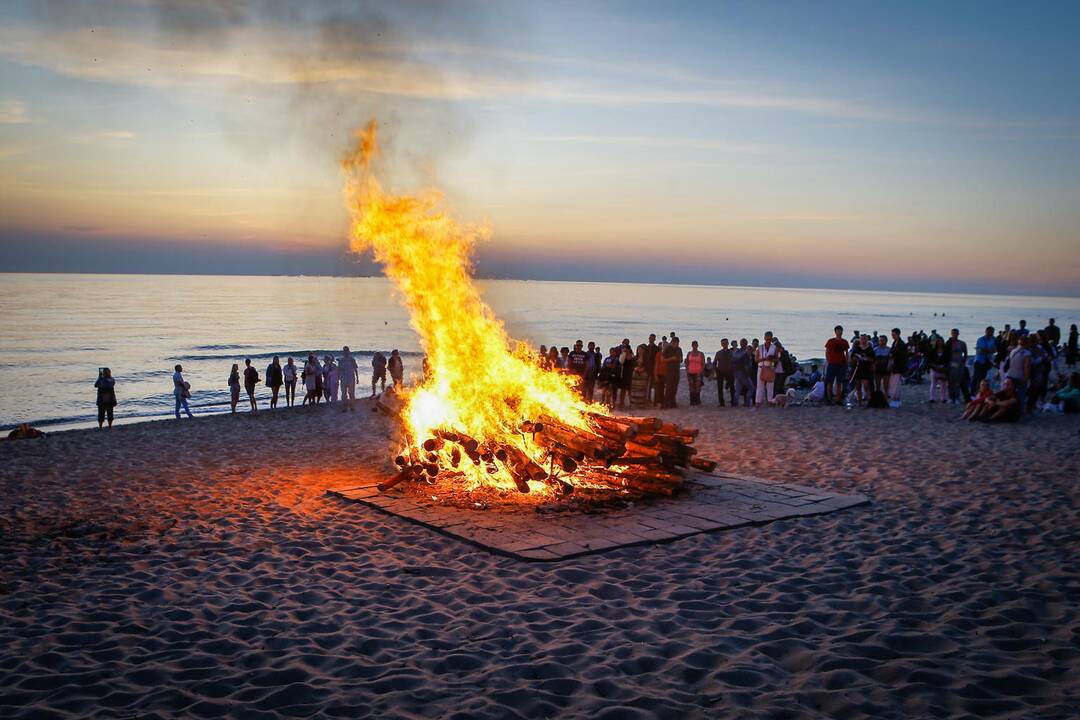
(870, 371)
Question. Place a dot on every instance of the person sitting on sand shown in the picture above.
(275, 378)
(397, 369)
(106, 396)
(1067, 399)
(181, 391)
(1004, 406)
(378, 370)
(288, 374)
(251, 379)
(25, 432)
(234, 386)
(975, 404)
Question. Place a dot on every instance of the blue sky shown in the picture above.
(929, 146)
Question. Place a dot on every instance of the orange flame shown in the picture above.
(480, 381)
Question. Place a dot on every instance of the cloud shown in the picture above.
(344, 57)
(669, 142)
(13, 112)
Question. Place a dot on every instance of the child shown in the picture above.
(978, 401)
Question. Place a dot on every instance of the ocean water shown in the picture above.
(57, 330)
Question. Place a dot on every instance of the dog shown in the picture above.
(785, 399)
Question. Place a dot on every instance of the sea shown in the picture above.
(57, 330)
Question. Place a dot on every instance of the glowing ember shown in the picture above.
(486, 413)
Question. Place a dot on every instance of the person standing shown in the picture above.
(1018, 370)
(251, 379)
(862, 356)
(330, 380)
(785, 367)
(741, 367)
(658, 375)
(673, 360)
(651, 349)
(695, 369)
(957, 351)
(627, 361)
(378, 370)
(985, 349)
(1071, 346)
(1052, 334)
(274, 380)
(767, 357)
(348, 375)
(577, 364)
(938, 360)
(723, 369)
(836, 364)
(106, 396)
(234, 387)
(311, 372)
(882, 365)
(592, 368)
(397, 369)
(639, 383)
(289, 376)
(898, 360)
(181, 391)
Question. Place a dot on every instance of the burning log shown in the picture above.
(703, 464)
(406, 474)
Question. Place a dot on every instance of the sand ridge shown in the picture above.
(199, 569)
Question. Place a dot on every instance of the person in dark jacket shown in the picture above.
(673, 360)
(1052, 334)
(898, 357)
(1071, 346)
(106, 397)
(251, 379)
(274, 380)
(725, 375)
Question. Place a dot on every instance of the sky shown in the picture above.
(918, 146)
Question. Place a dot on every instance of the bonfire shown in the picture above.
(486, 414)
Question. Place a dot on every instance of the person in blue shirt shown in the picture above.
(985, 349)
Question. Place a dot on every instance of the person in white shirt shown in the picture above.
(767, 356)
(181, 392)
(289, 375)
(330, 379)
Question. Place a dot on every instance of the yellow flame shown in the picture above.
(480, 381)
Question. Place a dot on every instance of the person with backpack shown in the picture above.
(695, 368)
(251, 379)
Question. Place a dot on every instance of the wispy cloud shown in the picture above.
(277, 57)
(659, 141)
(13, 112)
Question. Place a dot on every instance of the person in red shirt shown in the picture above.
(836, 359)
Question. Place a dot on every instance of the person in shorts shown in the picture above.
(836, 363)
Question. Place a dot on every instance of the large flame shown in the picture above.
(480, 381)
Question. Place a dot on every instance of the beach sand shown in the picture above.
(198, 569)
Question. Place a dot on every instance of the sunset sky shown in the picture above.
(923, 146)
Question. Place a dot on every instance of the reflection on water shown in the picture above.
(56, 330)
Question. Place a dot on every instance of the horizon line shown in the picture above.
(557, 280)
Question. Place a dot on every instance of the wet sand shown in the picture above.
(198, 569)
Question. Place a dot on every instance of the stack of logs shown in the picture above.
(644, 456)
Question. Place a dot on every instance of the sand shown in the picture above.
(198, 569)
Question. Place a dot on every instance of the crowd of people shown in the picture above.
(1010, 373)
(1015, 366)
